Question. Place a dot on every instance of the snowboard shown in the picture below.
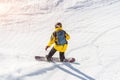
(54, 59)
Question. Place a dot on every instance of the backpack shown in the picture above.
(60, 37)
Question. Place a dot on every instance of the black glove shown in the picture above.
(46, 47)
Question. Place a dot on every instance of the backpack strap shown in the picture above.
(54, 34)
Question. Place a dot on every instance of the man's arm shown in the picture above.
(52, 40)
(67, 36)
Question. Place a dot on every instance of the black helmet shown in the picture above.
(58, 23)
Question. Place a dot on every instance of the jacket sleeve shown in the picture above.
(67, 36)
(52, 40)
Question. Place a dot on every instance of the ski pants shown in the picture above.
(52, 52)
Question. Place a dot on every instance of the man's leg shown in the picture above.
(62, 56)
(51, 53)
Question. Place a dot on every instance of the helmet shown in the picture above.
(58, 24)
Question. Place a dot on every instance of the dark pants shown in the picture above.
(52, 52)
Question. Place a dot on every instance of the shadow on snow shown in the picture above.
(78, 74)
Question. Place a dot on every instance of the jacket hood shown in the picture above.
(57, 29)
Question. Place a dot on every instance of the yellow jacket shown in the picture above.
(60, 48)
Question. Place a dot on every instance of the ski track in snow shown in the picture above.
(94, 42)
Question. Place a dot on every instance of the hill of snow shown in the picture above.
(94, 27)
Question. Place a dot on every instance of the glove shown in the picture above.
(46, 47)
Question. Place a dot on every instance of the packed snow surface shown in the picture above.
(26, 26)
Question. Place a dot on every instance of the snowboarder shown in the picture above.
(59, 37)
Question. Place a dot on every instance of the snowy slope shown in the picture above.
(94, 27)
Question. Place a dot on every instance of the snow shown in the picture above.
(94, 27)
